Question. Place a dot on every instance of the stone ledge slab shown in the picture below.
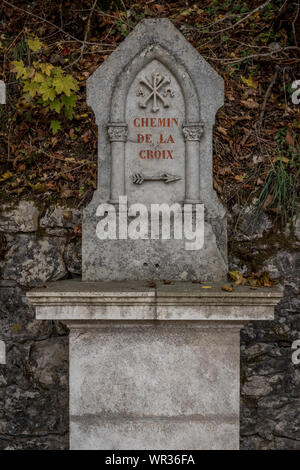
(133, 300)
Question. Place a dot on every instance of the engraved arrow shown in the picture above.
(139, 178)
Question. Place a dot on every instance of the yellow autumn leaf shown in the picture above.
(249, 81)
(283, 159)
(6, 176)
(46, 68)
(238, 278)
(227, 288)
(234, 275)
(19, 68)
(38, 77)
(198, 10)
(34, 44)
(239, 178)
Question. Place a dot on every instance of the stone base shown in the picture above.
(154, 386)
(153, 367)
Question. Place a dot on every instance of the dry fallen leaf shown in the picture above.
(217, 187)
(67, 214)
(227, 288)
(250, 103)
(222, 130)
(238, 278)
(249, 81)
(283, 159)
(289, 139)
(239, 178)
(6, 176)
(225, 170)
(268, 201)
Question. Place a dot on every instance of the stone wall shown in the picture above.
(270, 382)
(39, 244)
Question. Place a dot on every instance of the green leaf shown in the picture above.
(55, 126)
(31, 87)
(69, 102)
(47, 92)
(56, 105)
(34, 44)
(46, 68)
(69, 113)
(38, 77)
(19, 68)
(57, 72)
(65, 84)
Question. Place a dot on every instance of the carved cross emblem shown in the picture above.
(157, 91)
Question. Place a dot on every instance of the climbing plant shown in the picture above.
(49, 85)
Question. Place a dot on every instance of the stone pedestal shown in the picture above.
(153, 365)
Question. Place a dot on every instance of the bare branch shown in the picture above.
(45, 21)
(253, 56)
(87, 29)
(261, 7)
(293, 23)
(268, 92)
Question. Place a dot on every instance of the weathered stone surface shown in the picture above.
(31, 261)
(257, 386)
(250, 225)
(23, 218)
(282, 263)
(17, 318)
(61, 217)
(155, 372)
(126, 259)
(33, 410)
(152, 434)
(166, 387)
(48, 358)
(270, 385)
(146, 137)
(138, 300)
(73, 256)
(269, 380)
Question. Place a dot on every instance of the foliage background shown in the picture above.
(253, 45)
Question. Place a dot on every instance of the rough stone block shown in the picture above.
(154, 371)
(23, 218)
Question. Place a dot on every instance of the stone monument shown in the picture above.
(154, 352)
(155, 100)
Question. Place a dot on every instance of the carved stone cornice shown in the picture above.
(117, 132)
(193, 131)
